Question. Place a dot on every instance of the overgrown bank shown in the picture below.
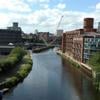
(25, 67)
(94, 62)
(12, 59)
(94, 65)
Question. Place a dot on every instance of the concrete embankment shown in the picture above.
(95, 77)
(41, 49)
(85, 68)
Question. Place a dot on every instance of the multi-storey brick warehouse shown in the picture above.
(73, 42)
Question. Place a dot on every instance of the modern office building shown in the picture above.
(81, 43)
(8, 37)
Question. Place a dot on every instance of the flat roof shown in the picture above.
(9, 47)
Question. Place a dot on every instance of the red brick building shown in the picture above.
(73, 42)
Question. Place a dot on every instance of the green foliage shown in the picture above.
(26, 59)
(25, 68)
(10, 82)
(23, 71)
(94, 61)
(18, 52)
(12, 59)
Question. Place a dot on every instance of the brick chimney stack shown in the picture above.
(88, 24)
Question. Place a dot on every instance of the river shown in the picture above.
(52, 78)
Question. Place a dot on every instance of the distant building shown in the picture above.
(81, 43)
(59, 32)
(14, 27)
(51, 37)
(43, 35)
(8, 37)
(36, 31)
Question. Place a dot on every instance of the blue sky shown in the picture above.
(44, 15)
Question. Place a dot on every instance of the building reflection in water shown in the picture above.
(81, 82)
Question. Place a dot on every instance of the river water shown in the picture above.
(52, 78)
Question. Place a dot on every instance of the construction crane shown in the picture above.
(48, 44)
(57, 28)
(59, 22)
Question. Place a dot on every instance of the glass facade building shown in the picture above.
(91, 45)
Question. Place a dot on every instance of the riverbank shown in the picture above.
(24, 68)
(95, 76)
(53, 78)
(38, 50)
(73, 61)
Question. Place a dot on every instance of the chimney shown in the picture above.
(98, 27)
(88, 24)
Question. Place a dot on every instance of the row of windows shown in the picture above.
(87, 40)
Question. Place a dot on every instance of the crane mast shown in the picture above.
(59, 22)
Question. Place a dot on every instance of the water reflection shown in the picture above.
(83, 83)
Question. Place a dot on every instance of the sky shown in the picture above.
(44, 15)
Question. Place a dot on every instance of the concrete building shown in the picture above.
(81, 43)
(15, 27)
(59, 32)
(10, 36)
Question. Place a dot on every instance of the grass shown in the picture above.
(25, 68)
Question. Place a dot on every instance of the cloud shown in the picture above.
(44, 19)
(61, 6)
(14, 5)
(45, 6)
(3, 20)
(38, 1)
(98, 6)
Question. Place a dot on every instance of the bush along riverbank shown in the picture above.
(12, 59)
(41, 49)
(25, 68)
(94, 62)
